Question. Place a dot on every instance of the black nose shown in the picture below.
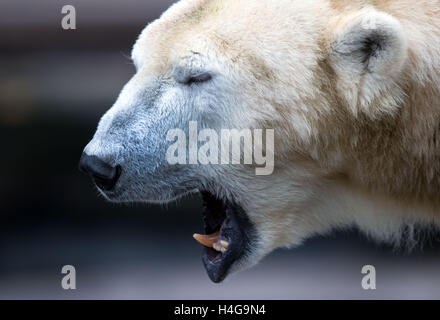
(104, 175)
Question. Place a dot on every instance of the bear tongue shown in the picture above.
(212, 241)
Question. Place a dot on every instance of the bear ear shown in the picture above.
(367, 53)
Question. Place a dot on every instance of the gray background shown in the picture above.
(54, 86)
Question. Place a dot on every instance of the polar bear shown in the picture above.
(351, 89)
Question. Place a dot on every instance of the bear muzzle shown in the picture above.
(103, 175)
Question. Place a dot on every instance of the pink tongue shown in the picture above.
(207, 240)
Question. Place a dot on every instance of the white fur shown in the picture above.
(350, 87)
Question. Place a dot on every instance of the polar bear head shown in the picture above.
(307, 70)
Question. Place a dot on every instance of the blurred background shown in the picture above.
(54, 86)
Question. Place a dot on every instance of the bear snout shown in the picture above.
(103, 175)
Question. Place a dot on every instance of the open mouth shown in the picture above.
(228, 235)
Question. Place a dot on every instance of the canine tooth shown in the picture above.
(207, 240)
(212, 241)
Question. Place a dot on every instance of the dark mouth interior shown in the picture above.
(229, 224)
(214, 218)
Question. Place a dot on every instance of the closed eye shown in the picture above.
(199, 78)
